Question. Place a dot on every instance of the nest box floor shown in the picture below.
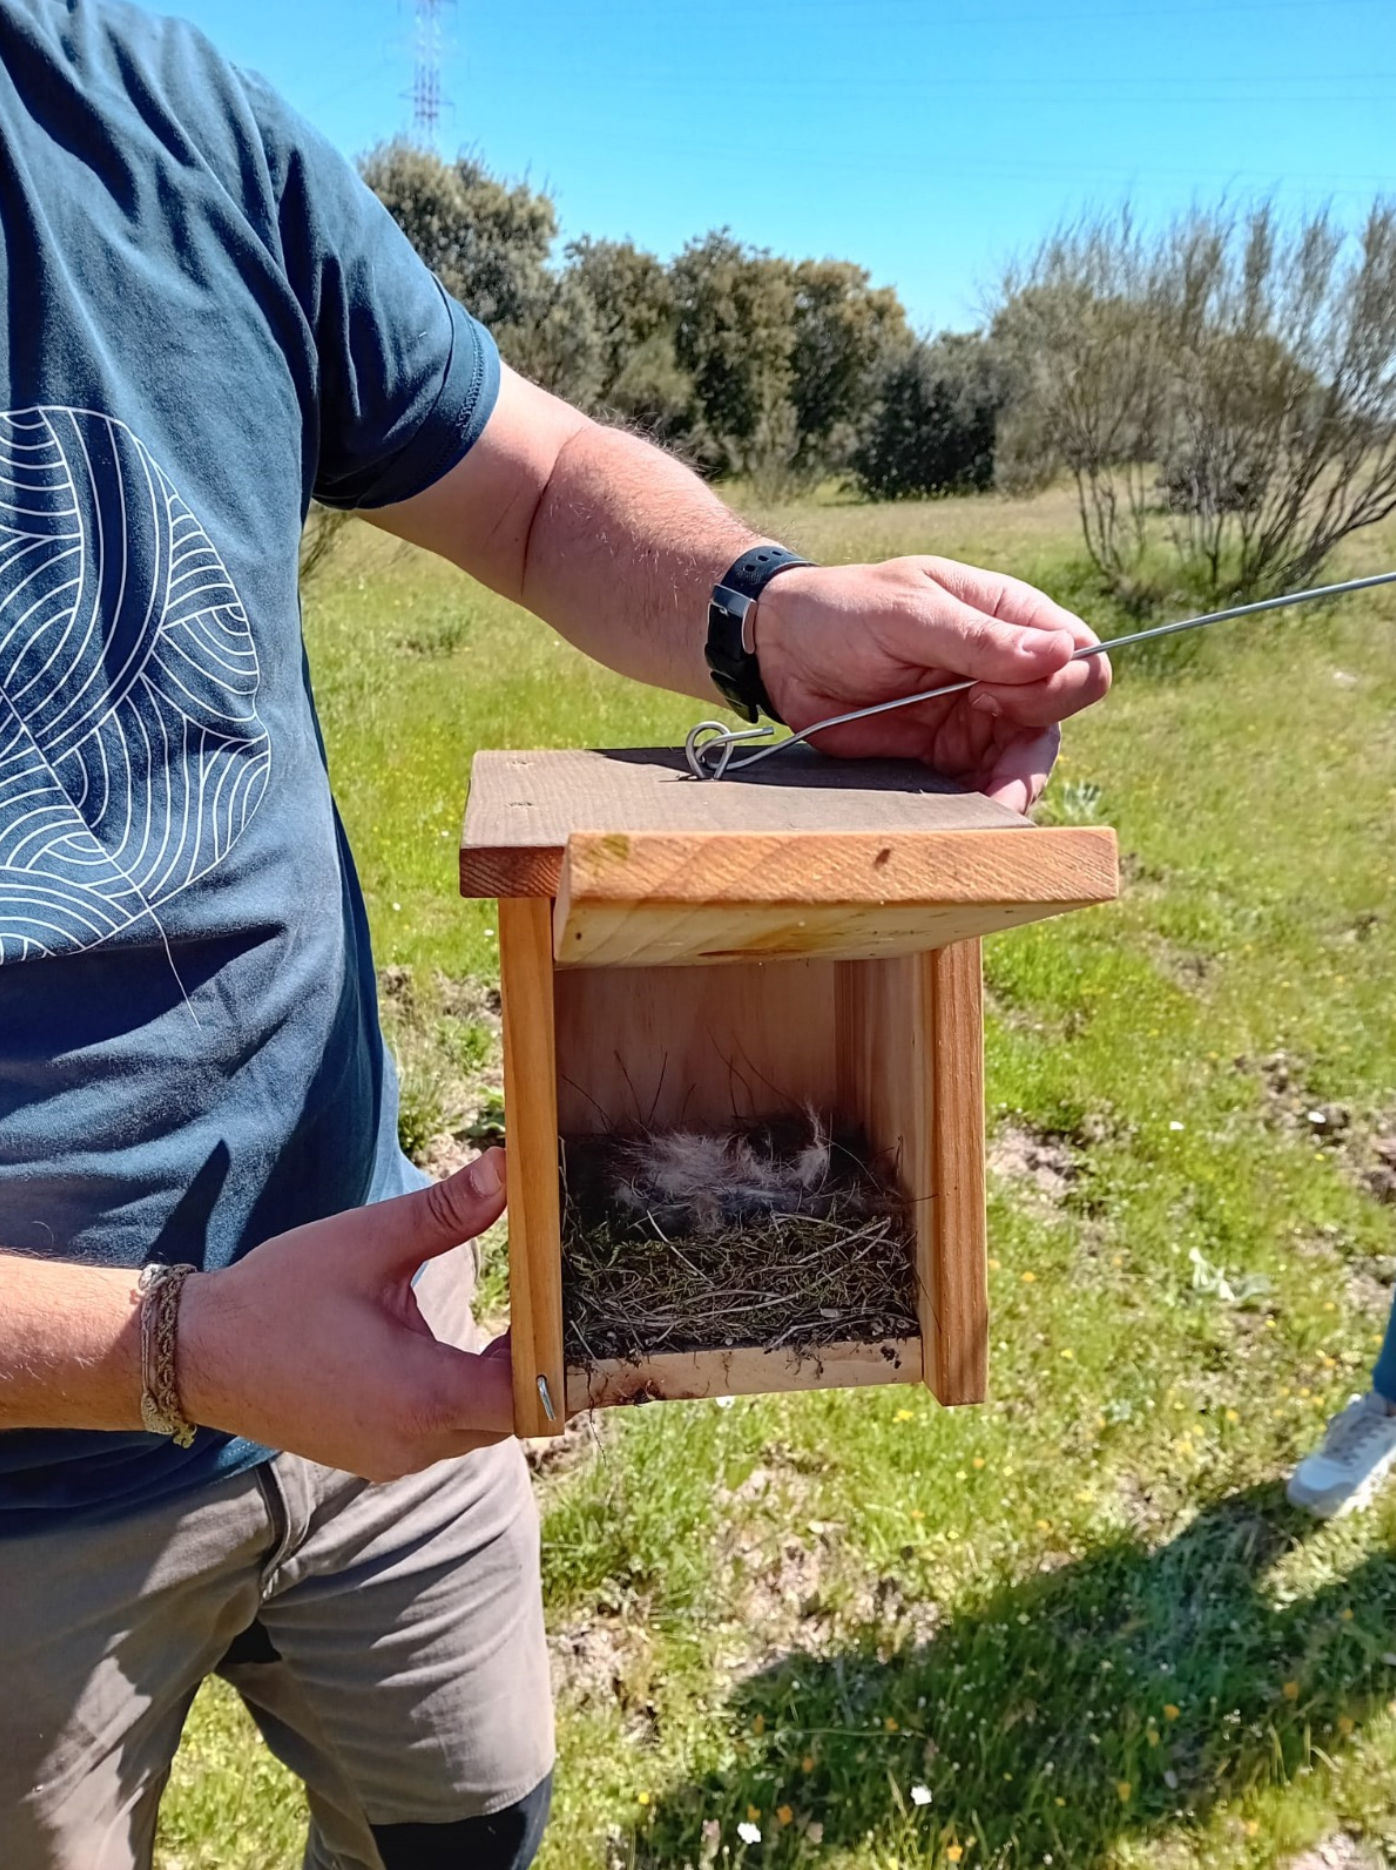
(773, 1234)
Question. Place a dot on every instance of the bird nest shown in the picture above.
(778, 1234)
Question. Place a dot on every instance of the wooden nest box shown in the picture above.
(819, 922)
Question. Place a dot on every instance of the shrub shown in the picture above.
(933, 427)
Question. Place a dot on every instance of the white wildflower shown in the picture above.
(748, 1832)
(920, 1795)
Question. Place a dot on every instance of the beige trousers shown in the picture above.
(387, 1639)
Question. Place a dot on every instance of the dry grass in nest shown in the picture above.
(647, 1269)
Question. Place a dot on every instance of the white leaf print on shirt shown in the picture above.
(131, 755)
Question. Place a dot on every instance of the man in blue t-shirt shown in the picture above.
(259, 1470)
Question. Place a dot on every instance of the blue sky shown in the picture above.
(927, 141)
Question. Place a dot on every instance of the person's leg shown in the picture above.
(1384, 1369)
(105, 1634)
(505, 1840)
(398, 1664)
(1359, 1449)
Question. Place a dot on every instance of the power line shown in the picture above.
(1046, 15)
(1162, 91)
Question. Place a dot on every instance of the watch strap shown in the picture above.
(730, 654)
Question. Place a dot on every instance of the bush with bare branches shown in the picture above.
(1224, 390)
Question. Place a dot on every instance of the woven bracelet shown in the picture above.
(159, 1288)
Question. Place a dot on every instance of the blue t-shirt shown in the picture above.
(208, 319)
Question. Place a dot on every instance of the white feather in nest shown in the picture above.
(703, 1183)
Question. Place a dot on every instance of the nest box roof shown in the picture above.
(525, 806)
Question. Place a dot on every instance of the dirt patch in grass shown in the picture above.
(1188, 968)
(466, 998)
(444, 1033)
(1141, 874)
(1379, 1171)
(792, 1590)
(1040, 1161)
(1364, 1143)
(604, 1660)
(1340, 1851)
(1371, 1280)
(1142, 1509)
(551, 1456)
(442, 1154)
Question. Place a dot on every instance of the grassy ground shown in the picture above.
(1077, 1626)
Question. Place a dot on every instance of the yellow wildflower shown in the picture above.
(1125, 1790)
(1171, 1711)
(753, 1813)
(1028, 1280)
(807, 1763)
(758, 1726)
(890, 1724)
(1345, 1725)
(1291, 1691)
(905, 1415)
(954, 1852)
(784, 1814)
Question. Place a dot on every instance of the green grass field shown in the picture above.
(1078, 1626)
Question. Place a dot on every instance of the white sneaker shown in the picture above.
(1342, 1475)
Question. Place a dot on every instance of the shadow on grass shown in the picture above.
(1116, 1696)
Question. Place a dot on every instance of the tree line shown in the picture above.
(1221, 391)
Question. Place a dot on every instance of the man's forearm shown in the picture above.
(640, 608)
(70, 1354)
(610, 540)
(617, 546)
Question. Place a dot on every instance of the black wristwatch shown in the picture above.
(730, 653)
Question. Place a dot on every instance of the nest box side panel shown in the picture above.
(696, 1045)
(911, 1068)
(530, 1102)
(957, 1349)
